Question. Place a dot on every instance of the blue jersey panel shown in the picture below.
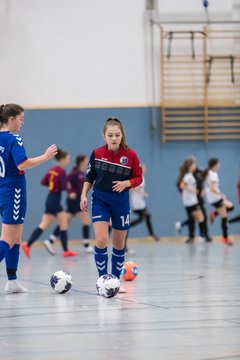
(13, 203)
(12, 153)
(111, 205)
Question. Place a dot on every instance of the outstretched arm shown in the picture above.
(50, 152)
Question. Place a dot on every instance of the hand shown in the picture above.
(83, 203)
(51, 152)
(119, 186)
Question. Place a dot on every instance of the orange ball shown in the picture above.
(129, 270)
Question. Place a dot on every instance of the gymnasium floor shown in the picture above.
(185, 304)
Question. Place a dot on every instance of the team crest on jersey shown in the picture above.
(123, 160)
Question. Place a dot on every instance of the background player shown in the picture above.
(216, 198)
(190, 222)
(113, 170)
(56, 181)
(188, 185)
(139, 207)
(75, 184)
(13, 201)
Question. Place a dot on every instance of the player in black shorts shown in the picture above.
(56, 181)
(75, 181)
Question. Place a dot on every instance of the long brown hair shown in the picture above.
(184, 169)
(6, 111)
(115, 122)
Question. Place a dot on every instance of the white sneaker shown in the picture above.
(13, 286)
(49, 247)
(122, 290)
(178, 227)
(89, 249)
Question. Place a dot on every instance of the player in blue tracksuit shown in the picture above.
(113, 169)
(13, 162)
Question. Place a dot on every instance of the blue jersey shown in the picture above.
(12, 153)
(13, 202)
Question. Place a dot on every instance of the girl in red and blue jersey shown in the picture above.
(113, 170)
(56, 181)
(13, 202)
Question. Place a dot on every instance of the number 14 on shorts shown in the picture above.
(125, 220)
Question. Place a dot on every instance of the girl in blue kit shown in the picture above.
(13, 162)
(113, 169)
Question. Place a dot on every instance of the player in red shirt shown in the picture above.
(56, 181)
(75, 181)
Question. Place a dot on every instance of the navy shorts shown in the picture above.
(13, 203)
(111, 205)
(53, 204)
(73, 206)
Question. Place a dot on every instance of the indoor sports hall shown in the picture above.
(170, 72)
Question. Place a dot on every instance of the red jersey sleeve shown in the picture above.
(136, 174)
(45, 180)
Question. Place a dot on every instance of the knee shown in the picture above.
(101, 242)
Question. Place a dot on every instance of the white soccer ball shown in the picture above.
(61, 281)
(107, 285)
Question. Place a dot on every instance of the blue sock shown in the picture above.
(11, 260)
(101, 260)
(4, 247)
(118, 257)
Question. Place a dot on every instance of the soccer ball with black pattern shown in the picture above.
(107, 285)
(61, 281)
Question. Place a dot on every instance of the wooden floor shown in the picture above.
(184, 304)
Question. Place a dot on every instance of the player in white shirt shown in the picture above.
(216, 198)
(190, 201)
(138, 197)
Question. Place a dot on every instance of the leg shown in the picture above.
(139, 219)
(201, 203)
(12, 234)
(149, 224)
(191, 228)
(47, 219)
(179, 225)
(63, 221)
(222, 211)
(86, 221)
(45, 222)
(101, 250)
(234, 219)
(199, 217)
(118, 251)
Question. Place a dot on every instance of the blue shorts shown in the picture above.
(53, 204)
(73, 206)
(111, 205)
(13, 203)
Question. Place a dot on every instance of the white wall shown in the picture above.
(80, 52)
